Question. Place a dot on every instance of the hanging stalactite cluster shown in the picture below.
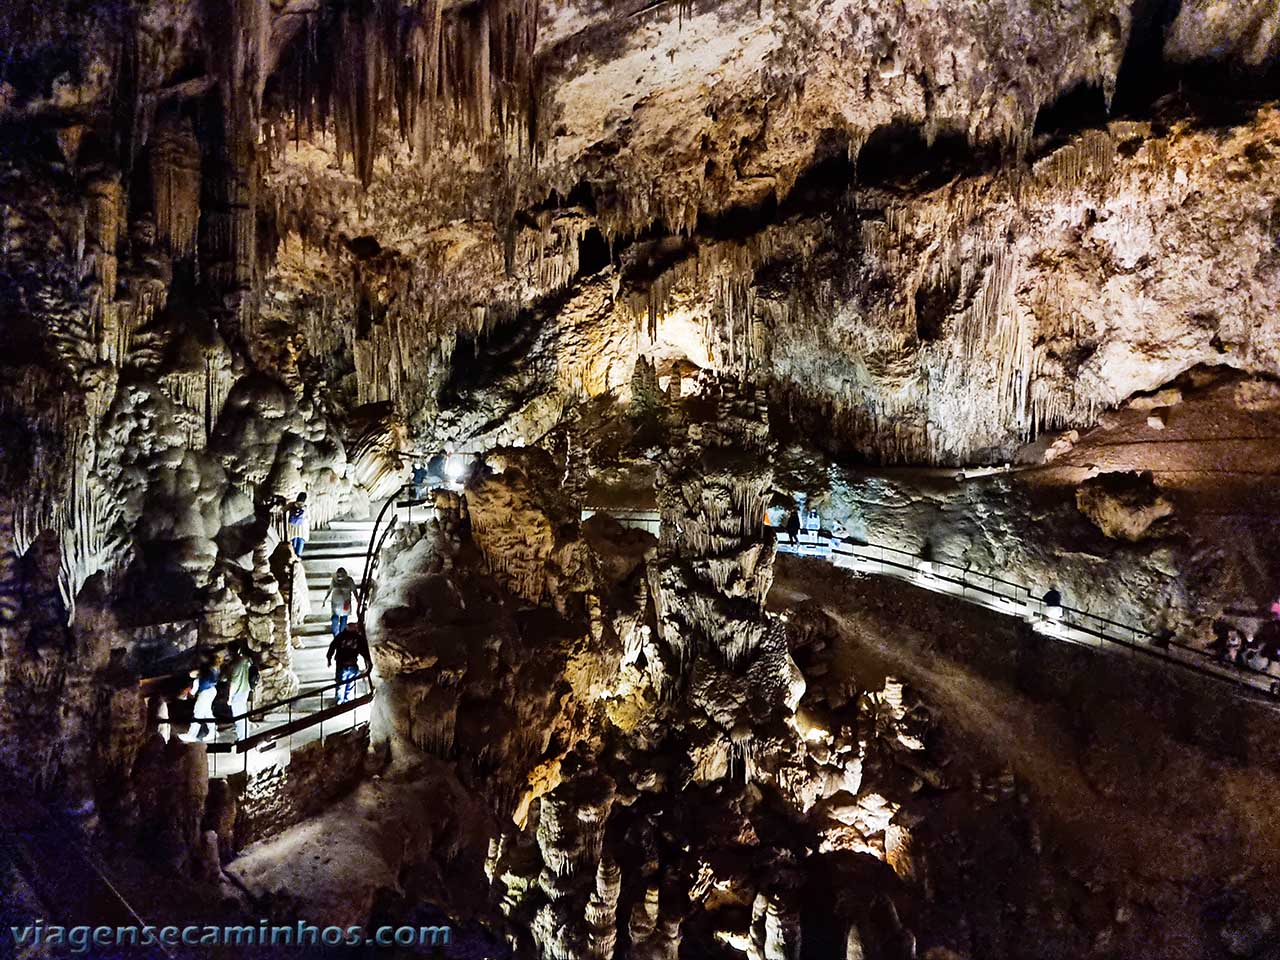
(375, 69)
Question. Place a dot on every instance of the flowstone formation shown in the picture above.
(717, 649)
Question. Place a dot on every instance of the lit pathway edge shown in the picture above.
(1017, 600)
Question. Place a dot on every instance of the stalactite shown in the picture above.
(416, 68)
(175, 185)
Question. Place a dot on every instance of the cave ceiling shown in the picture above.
(945, 226)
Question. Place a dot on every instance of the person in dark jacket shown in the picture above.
(299, 523)
(203, 726)
(793, 526)
(344, 654)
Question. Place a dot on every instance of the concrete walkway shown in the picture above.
(344, 543)
(995, 592)
(1017, 600)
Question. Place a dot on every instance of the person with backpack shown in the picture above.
(299, 524)
(346, 649)
(340, 594)
(203, 726)
(419, 480)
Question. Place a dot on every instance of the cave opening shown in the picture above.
(594, 254)
(899, 155)
(1081, 108)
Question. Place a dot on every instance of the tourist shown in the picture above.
(1052, 601)
(203, 726)
(299, 525)
(1234, 644)
(419, 480)
(242, 677)
(340, 593)
(346, 649)
(793, 526)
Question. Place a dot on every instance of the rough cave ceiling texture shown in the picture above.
(911, 218)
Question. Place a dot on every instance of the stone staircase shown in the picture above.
(345, 543)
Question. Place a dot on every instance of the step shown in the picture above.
(324, 577)
(353, 563)
(330, 551)
(334, 544)
(366, 525)
(319, 603)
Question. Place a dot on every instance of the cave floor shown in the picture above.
(1146, 775)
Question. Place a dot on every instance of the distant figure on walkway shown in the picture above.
(1052, 603)
(242, 677)
(203, 726)
(1235, 643)
(299, 524)
(1255, 657)
(341, 592)
(812, 522)
(793, 526)
(346, 649)
(419, 480)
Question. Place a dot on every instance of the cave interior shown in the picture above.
(641, 480)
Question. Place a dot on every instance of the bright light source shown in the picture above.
(738, 941)
(454, 468)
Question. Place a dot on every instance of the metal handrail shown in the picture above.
(290, 725)
(1154, 645)
(31, 831)
(304, 695)
(362, 590)
(373, 553)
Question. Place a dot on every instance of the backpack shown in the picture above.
(296, 512)
(348, 648)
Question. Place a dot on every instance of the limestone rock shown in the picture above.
(1123, 506)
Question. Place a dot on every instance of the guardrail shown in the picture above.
(1016, 599)
(378, 538)
(67, 879)
(288, 723)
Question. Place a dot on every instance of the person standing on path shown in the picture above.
(242, 677)
(299, 523)
(340, 595)
(203, 726)
(347, 648)
(793, 526)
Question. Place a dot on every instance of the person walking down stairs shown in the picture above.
(299, 524)
(347, 648)
(341, 594)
